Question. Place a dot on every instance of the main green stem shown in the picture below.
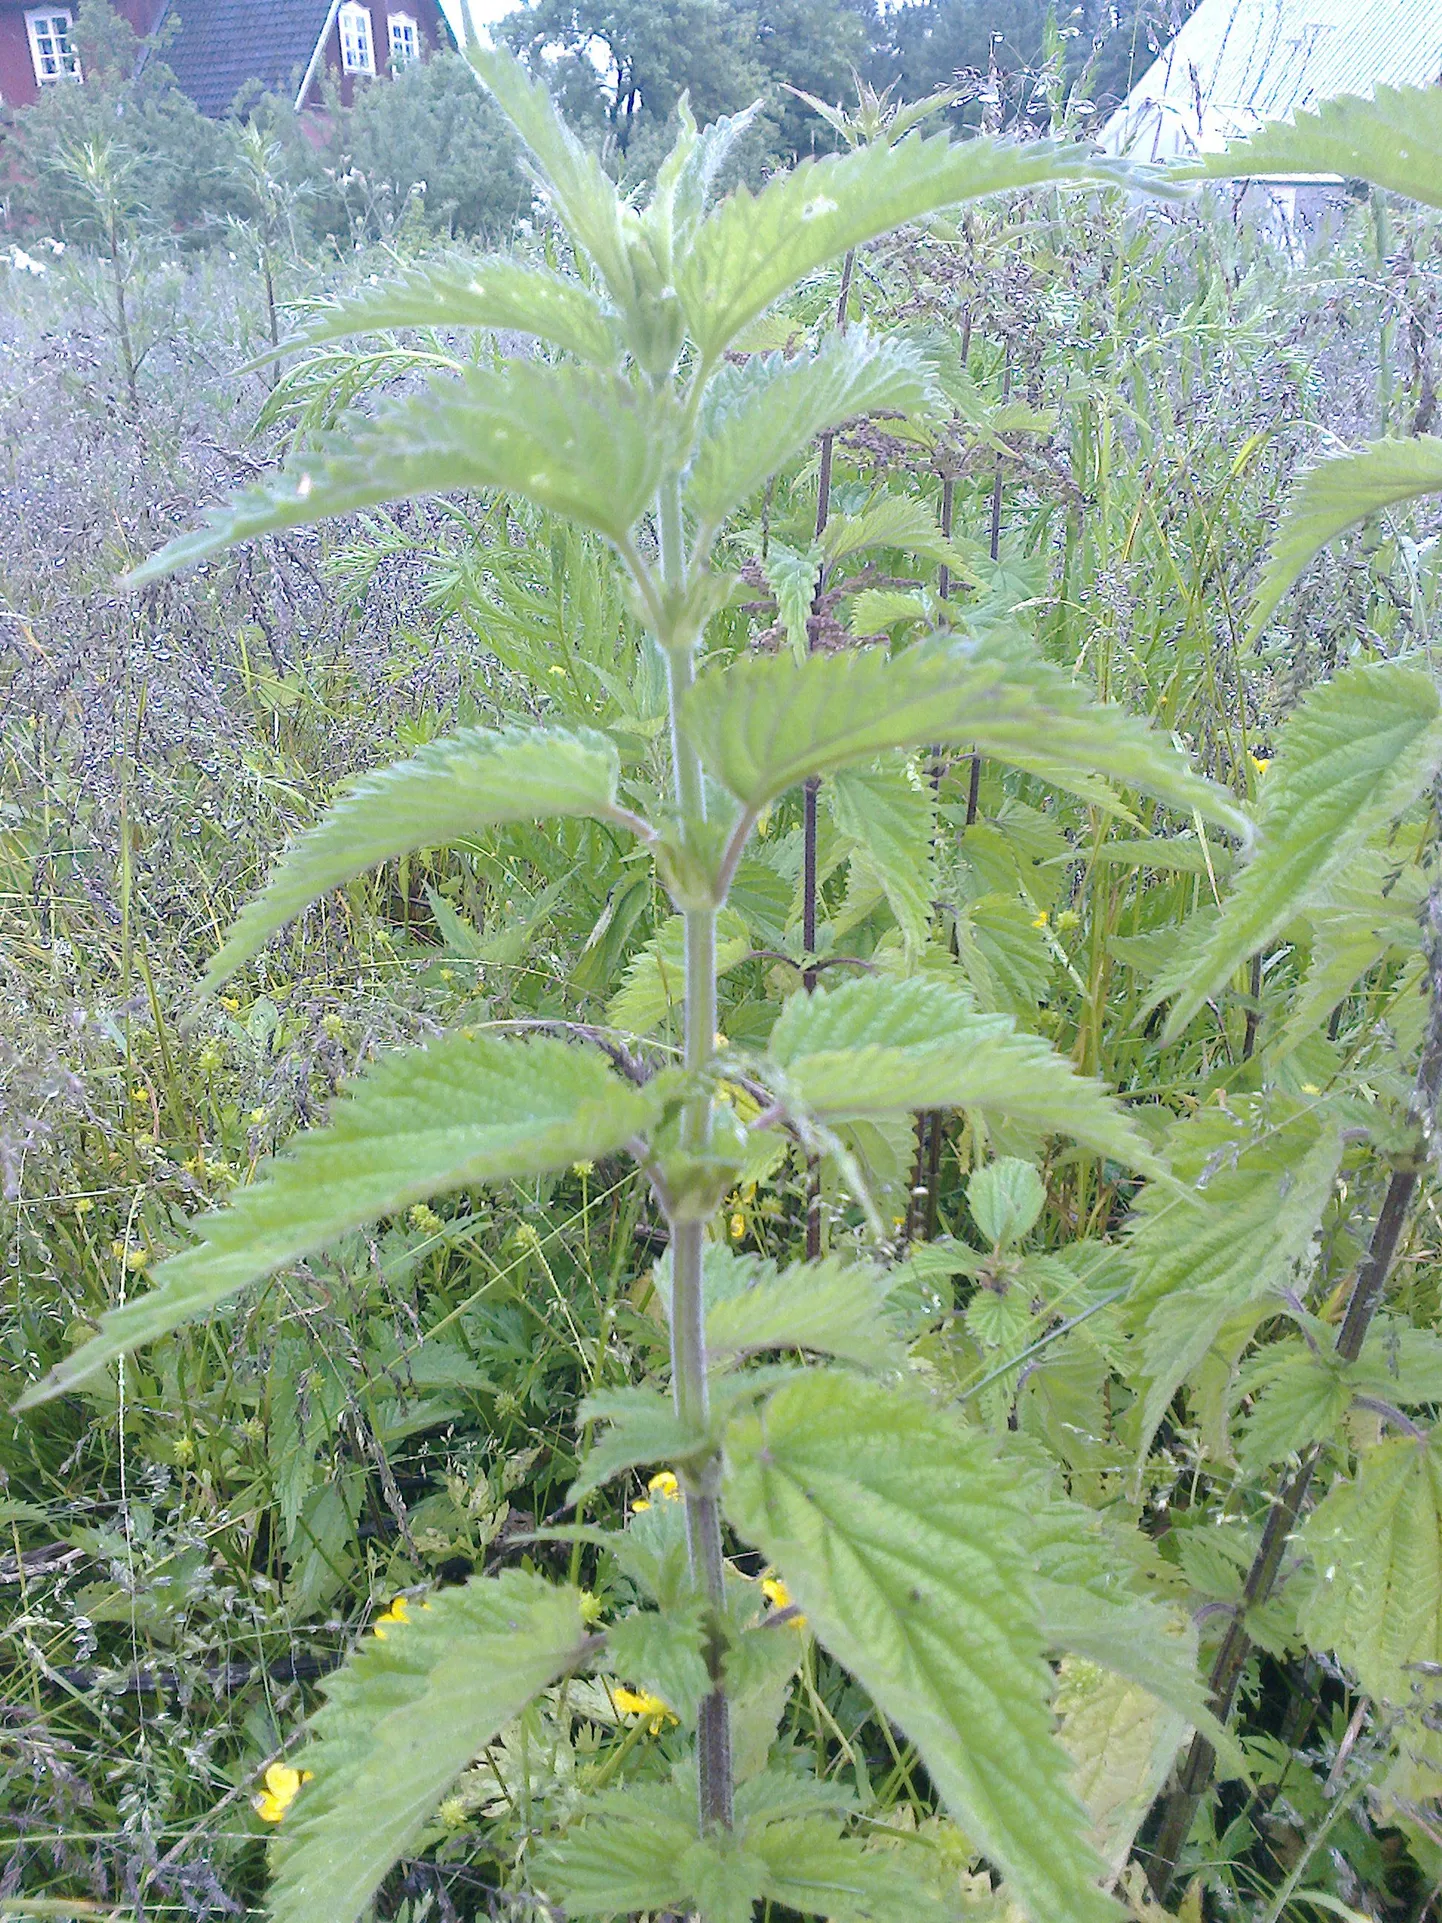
(702, 1480)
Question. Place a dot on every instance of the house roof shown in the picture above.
(1238, 63)
(222, 44)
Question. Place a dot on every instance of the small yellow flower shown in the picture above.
(738, 1226)
(231, 1004)
(83, 1205)
(779, 1597)
(282, 1784)
(1260, 762)
(399, 1612)
(1310, 1088)
(640, 1702)
(1039, 921)
(560, 671)
(720, 1040)
(665, 1486)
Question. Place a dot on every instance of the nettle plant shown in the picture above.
(929, 1550)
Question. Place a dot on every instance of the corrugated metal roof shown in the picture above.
(1237, 63)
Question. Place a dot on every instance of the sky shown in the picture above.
(481, 11)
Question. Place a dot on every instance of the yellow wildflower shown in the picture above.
(1260, 762)
(779, 1597)
(1039, 921)
(231, 1004)
(83, 1205)
(640, 1702)
(738, 1226)
(560, 671)
(399, 1612)
(663, 1486)
(282, 1784)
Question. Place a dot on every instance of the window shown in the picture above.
(356, 52)
(50, 49)
(405, 41)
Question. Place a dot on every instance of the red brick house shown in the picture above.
(220, 46)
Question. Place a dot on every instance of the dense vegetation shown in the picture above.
(1017, 789)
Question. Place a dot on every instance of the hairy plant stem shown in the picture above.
(1180, 1810)
(701, 1480)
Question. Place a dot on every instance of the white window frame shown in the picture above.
(52, 55)
(357, 48)
(403, 31)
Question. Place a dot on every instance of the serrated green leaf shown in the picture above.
(1122, 1743)
(1355, 754)
(1376, 1544)
(452, 787)
(903, 1540)
(663, 1653)
(893, 521)
(581, 443)
(1370, 911)
(763, 723)
(1333, 496)
(763, 413)
(491, 291)
(1399, 1364)
(655, 981)
(1300, 1398)
(421, 1122)
(1393, 139)
(874, 1047)
(816, 1870)
(401, 1721)
(753, 247)
(792, 575)
(830, 1307)
(1005, 1198)
(892, 820)
(570, 175)
(1258, 1189)
(644, 1428)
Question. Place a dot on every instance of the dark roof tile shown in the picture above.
(222, 44)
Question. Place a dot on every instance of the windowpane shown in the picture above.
(356, 52)
(405, 40)
(50, 48)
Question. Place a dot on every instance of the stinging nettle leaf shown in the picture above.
(1258, 1194)
(493, 291)
(1355, 754)
(402, 1719)
(763, 723)
(570, 175)
(1332, 497)
(759, 415)
(753, 247)
(828, 1306)
(450, 788)
(1392, 139)
(1376, 1543)
(904, 1541)
(873, 1047)
(423, 1121)
(582, 443)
